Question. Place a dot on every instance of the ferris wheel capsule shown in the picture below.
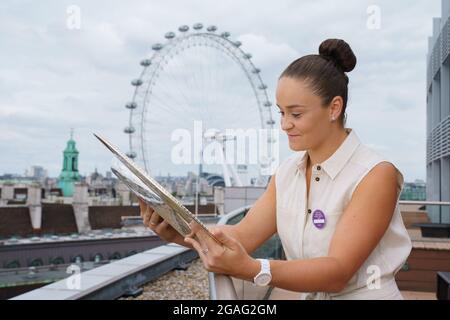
(131, 154)
(237, 43)
(146, 62)
(157, 46)
(183, 28)
(247, 56)
(198, 26)
(129, 130)
(131, 105)
(225, 34)
(270, 122)
(211, 29)
(256, 70)
(262, 87)
(267, 104)
(136, 82)
(169, 35)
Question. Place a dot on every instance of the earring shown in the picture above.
(332, 119)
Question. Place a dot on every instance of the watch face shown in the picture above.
(263, 279)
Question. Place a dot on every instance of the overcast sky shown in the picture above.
(53, 78)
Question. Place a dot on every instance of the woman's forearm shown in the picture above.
(323, 274)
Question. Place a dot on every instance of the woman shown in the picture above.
(334, 203)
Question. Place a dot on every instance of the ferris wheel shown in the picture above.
(200, 77)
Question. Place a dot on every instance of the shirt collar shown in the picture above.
(334, 164)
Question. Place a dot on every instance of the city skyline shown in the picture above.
(53, 78)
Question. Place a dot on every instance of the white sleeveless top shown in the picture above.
(338, 177)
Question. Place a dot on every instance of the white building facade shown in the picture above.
(438, 116)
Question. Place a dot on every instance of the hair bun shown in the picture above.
(340, 52)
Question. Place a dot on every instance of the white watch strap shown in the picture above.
(264, 276)
(265, 266)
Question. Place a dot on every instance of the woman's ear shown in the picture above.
(336, 106)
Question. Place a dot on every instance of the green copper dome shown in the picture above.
(69, 173)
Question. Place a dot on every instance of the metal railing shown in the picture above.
(435, 208)
(437, 203)
(223, 287)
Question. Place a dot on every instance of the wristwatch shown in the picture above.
(264, 276)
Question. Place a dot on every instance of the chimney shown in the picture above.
(7, 193)
(124, 193)
(81, 206)
(34, 205)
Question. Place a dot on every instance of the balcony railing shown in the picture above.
(223, 287)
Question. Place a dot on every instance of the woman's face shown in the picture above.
(303, 118)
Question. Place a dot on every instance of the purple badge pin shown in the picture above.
(318, 218)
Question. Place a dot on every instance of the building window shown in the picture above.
(36, 263)
(13, 264)
(115, 256)
(78, 259)
(57, 260)
(98, 258)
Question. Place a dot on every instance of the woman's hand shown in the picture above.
(157, 224)
(229, 258)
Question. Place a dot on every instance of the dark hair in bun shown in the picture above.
(326, 71)
(339, 52)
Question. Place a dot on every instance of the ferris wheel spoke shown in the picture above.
(206, 83)
(163, 100)
(177, 80)
(199, 77)
(227, 97)
(212, 89)
(202, 79)
(170, 109)
(175, 93)
(169, 95)
(218, 81)
(188, 81)
(221, 81)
